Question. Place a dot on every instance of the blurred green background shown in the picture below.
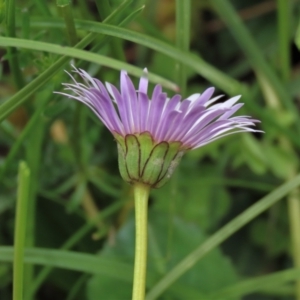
(80, 225)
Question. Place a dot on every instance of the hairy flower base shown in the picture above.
(141, 159)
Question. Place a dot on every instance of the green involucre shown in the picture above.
(143, 160)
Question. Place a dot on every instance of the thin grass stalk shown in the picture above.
(183, 25)
(293, 202)
(294, 220)
(106, 38)
(284, 17)
(79, 284)
(104, 9)
(20, 231)
(33, 155)
(21, 138)
(42, 7)
(13, 57)
(297, 36)
(258, 284)
(65, 9)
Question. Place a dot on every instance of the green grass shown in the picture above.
(227, 224)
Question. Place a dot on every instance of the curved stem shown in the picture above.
(141, 195)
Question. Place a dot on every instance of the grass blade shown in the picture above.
(20, 230)
(183, 24)
(221, 235)
(254, 54)
(260, 283)
(24, 94)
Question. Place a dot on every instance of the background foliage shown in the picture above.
(79, 235)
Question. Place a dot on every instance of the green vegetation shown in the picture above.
(227, 224)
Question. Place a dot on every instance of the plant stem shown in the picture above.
(183, 24)
(20, 231)
(12, 52)
(294, 218)
(116, 46)
(33, 156)
(141, 195)
(65, 9)
(297, 36)
(284, 21)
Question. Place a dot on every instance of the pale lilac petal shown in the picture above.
(121, 106)
(156, 105)
(171, 124)
(156, 91)
(213, 100)
(167, 117)
(204, 97)
(203, 143)
(144, 111)
(156, 112)
(210, 131)
(101, 87)
(107, 111)
(233, 110)
(86, 77)
(143, 85)
(130, 99)
(204, 120)
(230, 102)
(184, 107)
(188, 122)
(196, 121)
(171, 105)
(82, 100)
(193, 97)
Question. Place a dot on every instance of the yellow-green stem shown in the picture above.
(294, 216)
(20, 231)
(141, 195)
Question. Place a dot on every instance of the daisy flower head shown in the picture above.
(153, 132)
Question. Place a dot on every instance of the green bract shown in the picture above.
(143, 160)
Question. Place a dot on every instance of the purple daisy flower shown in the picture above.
(145, 124)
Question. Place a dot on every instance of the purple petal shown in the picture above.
(106, 109)
(143, 85)
(204, 97)
(156, 112)
(130, 100)
(169, 125)
(121, 106)
(204, 120)
(196, 121)
(144, 111)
